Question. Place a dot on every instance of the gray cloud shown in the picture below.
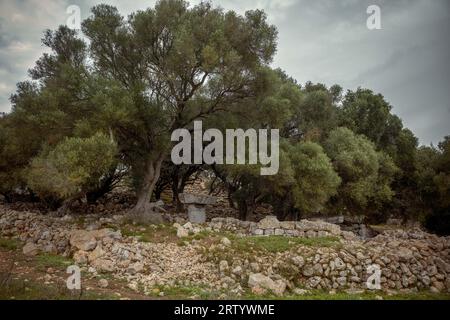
(322, 40)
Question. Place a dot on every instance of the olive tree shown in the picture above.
(167, 66)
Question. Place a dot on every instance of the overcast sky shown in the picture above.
(326, 41)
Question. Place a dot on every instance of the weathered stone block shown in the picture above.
(269, 222)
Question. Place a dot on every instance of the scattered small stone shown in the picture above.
(103, 283)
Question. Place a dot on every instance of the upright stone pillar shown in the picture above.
(196, 206)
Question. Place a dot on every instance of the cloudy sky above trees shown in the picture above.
(323, 41)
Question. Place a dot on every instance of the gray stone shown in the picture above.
(103, 283)
(196, 213)
(299, 261)
(182, 232)
(225, 241)
(96, 254)
(237, 270)
(342, 281)
(30, 249)
(103, 265)
(223, 265)
(279, 232)
(308, 271)
(189, 198)
(311, 234)
(258, 232)
(269, 222)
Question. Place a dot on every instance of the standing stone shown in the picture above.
(196, 206)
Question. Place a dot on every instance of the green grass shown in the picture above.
(185, 292)
(154, 233)
(9, 244)
(281, 243)
(17, 289)
(324, 295)
(45, 261)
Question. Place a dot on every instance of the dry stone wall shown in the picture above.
(271, 226)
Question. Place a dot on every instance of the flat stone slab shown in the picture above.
(189, 198)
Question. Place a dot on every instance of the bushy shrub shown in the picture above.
(73, 167)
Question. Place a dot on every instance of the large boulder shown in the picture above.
(257, 281)
(83, 240)
(30, 249)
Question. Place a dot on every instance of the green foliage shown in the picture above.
(9, 244)
(366, 174)
(45, 261)
(170, 65)
(366, 113)
(314, 179)
(73, 167)
(141, 77)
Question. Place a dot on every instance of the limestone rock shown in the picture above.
(103, 283)
(182, 232)
(80, 257)
(96, 254)
(83, 240)
(259, 280)
(103, 265)
(269, 222)
(30, 249)
(225, 241)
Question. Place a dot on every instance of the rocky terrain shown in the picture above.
(235, 258)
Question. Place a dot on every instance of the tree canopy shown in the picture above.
(103, 103)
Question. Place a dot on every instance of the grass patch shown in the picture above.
(154, 233)
(9, 244)
(185, 292)
(324, 295)
(17, 289)
(45, 261)
(281, 243)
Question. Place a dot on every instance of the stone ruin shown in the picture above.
(271, 226)
(196, 206)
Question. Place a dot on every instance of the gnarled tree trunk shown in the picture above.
(144, 211)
